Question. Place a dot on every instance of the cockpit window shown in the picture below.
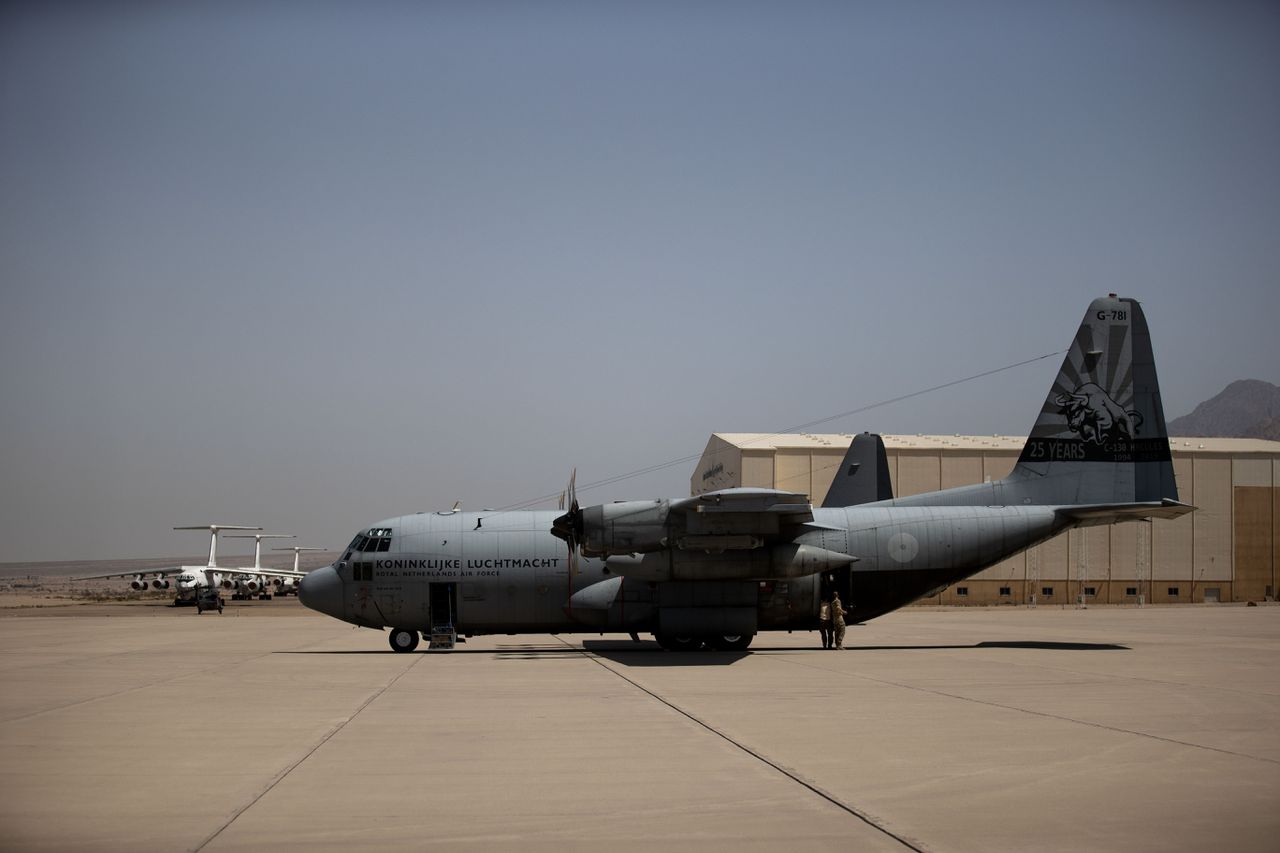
(376, 539)
(368, 541)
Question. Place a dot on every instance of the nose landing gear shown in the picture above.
(403, 639)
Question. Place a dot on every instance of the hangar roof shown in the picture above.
(808, 441)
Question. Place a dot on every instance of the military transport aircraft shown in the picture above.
(717, 568)
(253, 580)
(287, 582)
(190, 579)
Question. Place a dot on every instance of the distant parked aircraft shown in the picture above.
(187, 581)
(253, 580)
(286, 583)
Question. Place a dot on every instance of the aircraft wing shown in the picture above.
(764, 505)
(163, 572)
(271, 573)
(733, 534)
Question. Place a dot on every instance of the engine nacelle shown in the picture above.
(138, 584)
(160, 583)
(228, 583)
(253, 585)
(625, 527)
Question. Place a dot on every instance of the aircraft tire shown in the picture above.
(403, 639)
(730, 642)
(678, 642)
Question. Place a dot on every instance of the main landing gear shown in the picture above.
(403, 639)
(693, 642)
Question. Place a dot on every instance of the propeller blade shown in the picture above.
(569, 526)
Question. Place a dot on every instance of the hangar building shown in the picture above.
(1227, 550)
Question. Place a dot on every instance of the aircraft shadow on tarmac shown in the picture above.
(625, 652)
(1001, 644)
(647, 653)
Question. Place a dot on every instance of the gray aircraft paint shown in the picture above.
(1097, 454)
(863, 476)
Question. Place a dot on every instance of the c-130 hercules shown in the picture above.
(717, 568)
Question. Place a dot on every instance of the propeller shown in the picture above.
(569, 526)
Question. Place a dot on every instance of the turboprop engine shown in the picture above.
(625, 527)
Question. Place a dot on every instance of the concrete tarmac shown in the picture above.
(938, 730)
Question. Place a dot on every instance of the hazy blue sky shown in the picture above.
(308, 266)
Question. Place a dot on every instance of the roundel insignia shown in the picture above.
(903, 547)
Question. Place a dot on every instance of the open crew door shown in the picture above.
(443, 607)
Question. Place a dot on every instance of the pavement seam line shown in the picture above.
(329, 735)
(869, 821)
(1045, 714)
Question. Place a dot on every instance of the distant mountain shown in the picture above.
(1247, 408)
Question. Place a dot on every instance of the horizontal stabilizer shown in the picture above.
(1108, 513)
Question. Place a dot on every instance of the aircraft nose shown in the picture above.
(321, 590)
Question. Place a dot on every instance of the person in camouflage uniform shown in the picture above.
(824, 622)
(837, 621)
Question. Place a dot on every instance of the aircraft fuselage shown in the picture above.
(503, 572)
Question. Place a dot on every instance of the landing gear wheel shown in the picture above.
(678, 642)
(403, 640)
(730, 642)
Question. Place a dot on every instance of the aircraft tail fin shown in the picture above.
(863, 477)
(1100, 437)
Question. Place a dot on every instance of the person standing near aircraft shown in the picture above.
(837, 620)
(824, 622)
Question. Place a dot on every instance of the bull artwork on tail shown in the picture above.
(1094, 416)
